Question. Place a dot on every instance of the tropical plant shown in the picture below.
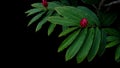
(88, 32)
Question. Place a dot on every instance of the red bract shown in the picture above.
(83, 22)
(45, 3)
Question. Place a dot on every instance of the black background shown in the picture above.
(24, 46)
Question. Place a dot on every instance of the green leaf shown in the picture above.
(112, 31)
(68, 41)
(64, 27)
(61, 21)
(76, 45)
(95, 46)
(40, 24)
(117, 54)
(44, 20)
(113, 43)
(91, 1)
(83, 52)
(51, 29)
(33, 11)
(67, 31)
(52, 5)
(37, 5)
(108, 18)
(76, 14)
(90, 15)
(35, 18)
(112, 38)
(69, 12)
(102, 43)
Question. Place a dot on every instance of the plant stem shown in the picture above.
(100, 4)
(113, 2)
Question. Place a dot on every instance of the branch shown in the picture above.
(100, 4)
(113, 2)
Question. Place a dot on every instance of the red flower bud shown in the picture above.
(83, 22)
(44, 3)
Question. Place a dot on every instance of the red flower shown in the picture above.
(83, 22)
(45, 3)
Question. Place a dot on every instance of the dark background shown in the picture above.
(24, 46)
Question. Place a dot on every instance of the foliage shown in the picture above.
(81, 43)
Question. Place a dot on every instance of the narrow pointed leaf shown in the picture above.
(51, 29)
(95, 46)
(111, 18)
(112, 38)
(52, 5)
(67, 31)
(43, 21)
(37, 5)
(68, 41)
(35, 18)
(77, 14)
(113, 43)
(83, 52)
(64, 28)
(33, 11)
(112, 31)
(108, 18)
(102, 43)
(40, 24)
(76, 45)
(117, 54)
(69, 12)
(61, 21)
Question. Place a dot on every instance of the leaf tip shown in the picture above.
(59, 35)
(67, 59)
(89, 60)
(26, 12)
(48, 33)
(28, 25)
(36, 30)
(59, 50)
(78, 62)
